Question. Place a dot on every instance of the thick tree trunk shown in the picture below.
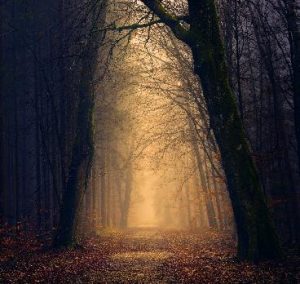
(256, 236)
(82, 156)
(83, 147)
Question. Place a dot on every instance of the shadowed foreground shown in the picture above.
(139, 256)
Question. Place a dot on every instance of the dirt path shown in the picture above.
(141, 256)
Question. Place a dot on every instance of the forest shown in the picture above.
(149, 141)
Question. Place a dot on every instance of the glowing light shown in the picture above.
(142, 256)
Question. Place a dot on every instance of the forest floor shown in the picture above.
(140, 256)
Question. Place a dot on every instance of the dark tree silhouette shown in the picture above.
(256, 235)
(83, 147)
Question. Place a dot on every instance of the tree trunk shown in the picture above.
(293, 9)
(38, 201)
(188, 205)
(2, 189)
(82, 155)
(256, 235)
(83, 147)
(204, 185)
(94, 198)
(103, 187)
(127, 197)
(294, 36)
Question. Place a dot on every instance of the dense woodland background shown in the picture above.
(146, 97)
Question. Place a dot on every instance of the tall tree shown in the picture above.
(256, 236)
(83, 147)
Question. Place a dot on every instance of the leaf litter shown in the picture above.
(140, 256)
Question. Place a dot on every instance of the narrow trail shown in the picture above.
(142, 256)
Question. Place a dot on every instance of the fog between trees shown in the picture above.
(128, 113)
